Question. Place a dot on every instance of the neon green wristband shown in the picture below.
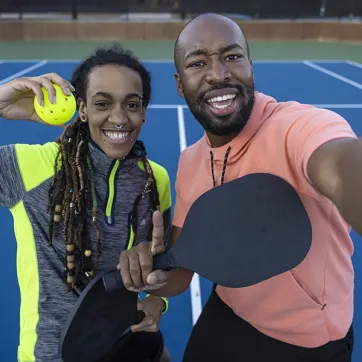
(165, 301)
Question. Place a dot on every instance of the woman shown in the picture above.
(79, 201)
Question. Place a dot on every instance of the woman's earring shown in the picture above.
(83, 119)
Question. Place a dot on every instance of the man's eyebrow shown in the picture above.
(195, 53)
(231, 47)
(201, 51)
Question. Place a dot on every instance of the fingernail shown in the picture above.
(67, 91)
(152, 280)
(53, 99)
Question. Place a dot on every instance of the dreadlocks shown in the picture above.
(72, 190)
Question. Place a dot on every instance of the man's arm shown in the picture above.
(335, 170)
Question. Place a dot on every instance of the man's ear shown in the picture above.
(179, 86)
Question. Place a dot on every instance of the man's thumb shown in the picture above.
(157, 277)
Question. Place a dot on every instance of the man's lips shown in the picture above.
(222, 102)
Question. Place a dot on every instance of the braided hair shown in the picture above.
(72, 190)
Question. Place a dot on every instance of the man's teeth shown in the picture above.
(221, 98)
(117, 135)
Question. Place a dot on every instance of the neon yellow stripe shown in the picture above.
(28, 277)
(166, 303)
(36, 163)
(131, 238)
(163, 184)
(111, 189)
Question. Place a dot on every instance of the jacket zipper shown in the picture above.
(111, 193)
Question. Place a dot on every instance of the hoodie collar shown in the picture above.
(102, 163)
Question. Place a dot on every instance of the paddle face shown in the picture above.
(98, 321)
(244, 232)
(239, 234)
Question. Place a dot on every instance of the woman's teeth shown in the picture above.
(117, 135)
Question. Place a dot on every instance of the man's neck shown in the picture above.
(219, 141)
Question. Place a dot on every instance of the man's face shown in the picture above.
(215, 75)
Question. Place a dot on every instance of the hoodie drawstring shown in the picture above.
(223, 169)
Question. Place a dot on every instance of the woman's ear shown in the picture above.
(144, 114)
(82, 110)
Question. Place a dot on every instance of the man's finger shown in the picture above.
(158, 245)
(146, 263)
(124, 270)
(135, 271)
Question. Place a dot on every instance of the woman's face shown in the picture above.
(114, 108)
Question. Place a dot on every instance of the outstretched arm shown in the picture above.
(335, 170)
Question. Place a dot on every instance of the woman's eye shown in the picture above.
(133, 105)
(102, 104)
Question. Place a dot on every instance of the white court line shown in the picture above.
(168, 106)
(184, 106)
(181, 127)
(24, 71)
(341, 106)
(257, 61)
(333, 74)
(352, 62)
(195, 291)
(40, 60)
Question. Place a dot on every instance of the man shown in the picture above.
(302, 315)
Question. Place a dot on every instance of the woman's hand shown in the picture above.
(17, 96)
(152, 307)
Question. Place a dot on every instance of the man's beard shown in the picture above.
(223, 125)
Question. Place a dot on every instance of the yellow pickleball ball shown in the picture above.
(59, 113)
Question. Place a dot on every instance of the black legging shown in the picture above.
(221, 336)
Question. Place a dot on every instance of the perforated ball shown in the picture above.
(59, 113)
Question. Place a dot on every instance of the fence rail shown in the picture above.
(253, 9)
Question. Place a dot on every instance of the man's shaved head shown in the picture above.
(207, 19)
(215, 75)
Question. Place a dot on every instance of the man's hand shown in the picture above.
(152, 307)
(136, 264)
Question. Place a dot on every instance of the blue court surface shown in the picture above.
(170, 127)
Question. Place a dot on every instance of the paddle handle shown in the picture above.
(165, 261)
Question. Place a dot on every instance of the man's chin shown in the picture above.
(223, 125)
